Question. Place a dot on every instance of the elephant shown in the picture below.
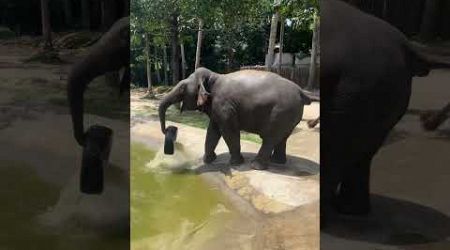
(110, 53)
(258, 102)
(367, 66)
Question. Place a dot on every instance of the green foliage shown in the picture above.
(236, 32)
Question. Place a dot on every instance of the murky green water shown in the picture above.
(170, 210)
(25, 197)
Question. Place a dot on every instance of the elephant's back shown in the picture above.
(263, 90)
(261, 79)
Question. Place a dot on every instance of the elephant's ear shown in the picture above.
(203, 82)
(202, 98)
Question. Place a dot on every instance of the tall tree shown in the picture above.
(175, 52)
(109, 13)
(281, 44)
(166, 77)
(85, 14)
(149, 64)
(183, 61)
(157, 64)
(126, 7)
(273, 34)
(46, 28)
(199, 43)
(68, 15)
(429, 19)
(314, 51)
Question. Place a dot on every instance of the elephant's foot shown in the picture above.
(278, 158)
(259, 165)
(236, 160)
(209, 158)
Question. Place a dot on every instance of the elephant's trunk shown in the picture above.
(78, 80)
(172, 97)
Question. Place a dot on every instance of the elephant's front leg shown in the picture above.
(232, 138)
(212, 139)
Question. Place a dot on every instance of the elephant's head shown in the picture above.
(193, 92)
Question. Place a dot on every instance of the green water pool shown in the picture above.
(167, 207)
(25, 196)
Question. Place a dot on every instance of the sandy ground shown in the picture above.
(284, 200)
(410, 182)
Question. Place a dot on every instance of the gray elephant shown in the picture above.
(258, 102)
(110, 53)
(366, 74)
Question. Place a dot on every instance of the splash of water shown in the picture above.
(181, 161)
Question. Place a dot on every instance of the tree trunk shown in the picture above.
(429, 19)
(183, 62)
(108, 14)
(281, 45)
(156, 63)
(175, 58)
(46, 28)
(166, 80)
(126, 8)
(230, 59)
(199, 43)
(68, 17)
(314, 51)
(385, 9)
(272, 38)
(85, 14)
(149, 64)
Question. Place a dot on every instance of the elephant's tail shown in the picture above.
(309, 97)
(432, 120)
(426, 58)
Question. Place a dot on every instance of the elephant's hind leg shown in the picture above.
(353, 195)
(262, 159)
(279, 152)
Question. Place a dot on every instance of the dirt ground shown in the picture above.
(409, 181)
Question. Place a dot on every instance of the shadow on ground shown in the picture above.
(295, 166)
(392, 222)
